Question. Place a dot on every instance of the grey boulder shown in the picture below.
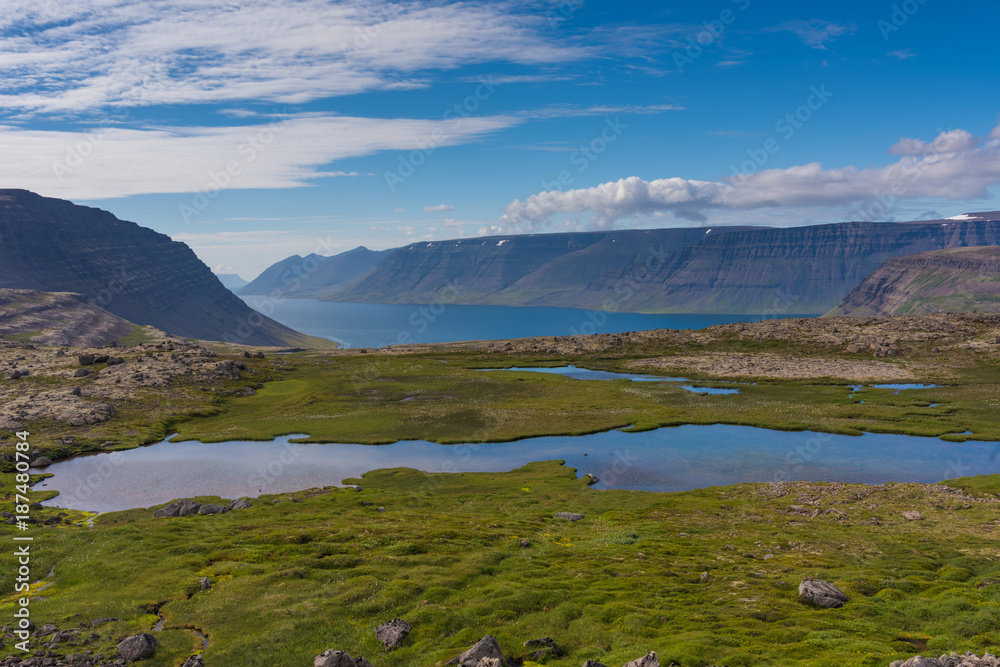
(392, 633)
(487, 647)
(137, 647)
(648, 660)
(238, 504)
(210, 509)
(569, 516)
(337, 658)
(184, 507)
(194, 661)
(41, 462)
(821, 593)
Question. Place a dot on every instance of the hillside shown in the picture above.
(51, 245)
(46, 318)
(957, 280)
(727, 270)
(231, 281)
(313, 272)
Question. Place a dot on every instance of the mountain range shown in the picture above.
(751, 270)
(142, 276)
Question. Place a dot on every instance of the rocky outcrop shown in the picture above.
(953, 659)
(956, 280)
(487, 648)
(142, 276)
(336, 658)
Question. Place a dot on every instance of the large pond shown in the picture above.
(668, 459)
(378, 325)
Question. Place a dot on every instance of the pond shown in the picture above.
(572, 371)
(666, 459)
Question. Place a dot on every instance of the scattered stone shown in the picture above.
(194, 661)
(48, 629)
(101, 621)
(912, 515)
(137, 647)
(594, 663)
(41, 462)
(184, 507)
(366, 503)
(81, 372)
(335, 658)
(392, 633)
(648, 660)
(524, 543)
(591, 479)
(380, 509)
(569, 516)
(101, 359)
(116, 361)
(546, 646)
(238, 504)
(205, 584)
(821, 593)
(209, 508)
(487, 647)
(86, 359)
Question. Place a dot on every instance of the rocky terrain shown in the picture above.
(792, 270)
(958, 280)
(47, 318)
(140, 275)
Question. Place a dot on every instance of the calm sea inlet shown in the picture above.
(378, 325)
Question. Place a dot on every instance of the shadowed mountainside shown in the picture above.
(52, 245)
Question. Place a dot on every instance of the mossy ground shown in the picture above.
(321, 570)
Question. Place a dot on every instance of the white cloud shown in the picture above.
(440, 208)
(118, 162)
(815, 32)
(902, 54)
(399, 209)
(952, 141)
(947, 168)
(87, 54)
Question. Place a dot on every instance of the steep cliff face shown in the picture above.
(958, 280)
(299, 275)
(140, 275)
(724, 270)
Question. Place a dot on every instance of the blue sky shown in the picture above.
(255, 130)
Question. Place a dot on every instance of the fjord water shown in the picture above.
(378, 325)
(667, 459)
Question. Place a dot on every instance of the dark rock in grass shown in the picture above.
(569, 516)
(392, 633)
(178, 508)
(524, 543)
(821, 593)
(194, 661)
(336, 658)
(546, 647)
(86, 359)
(366, 503)
(48, 629)
(204, 584)
(15, 375)
(648, 660)
(137, 647)
(238, 504)
(591, 479)
(101, 359)
(101, 621)
(487, 647)
(380, 509)
(209, 508)
(81, 372)
(41, 462)
(115, 361)
(594, 663)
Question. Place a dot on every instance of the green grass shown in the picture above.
(442, 397)
(294, 578)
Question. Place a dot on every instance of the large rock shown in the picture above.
(137, 647)
(821, 593)
(392, 633)
(648, 660)
(194, 661)
(238, 504)
(209, 508)
(335, 658)
(487, 647)
(41, 462)
(184, 507)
